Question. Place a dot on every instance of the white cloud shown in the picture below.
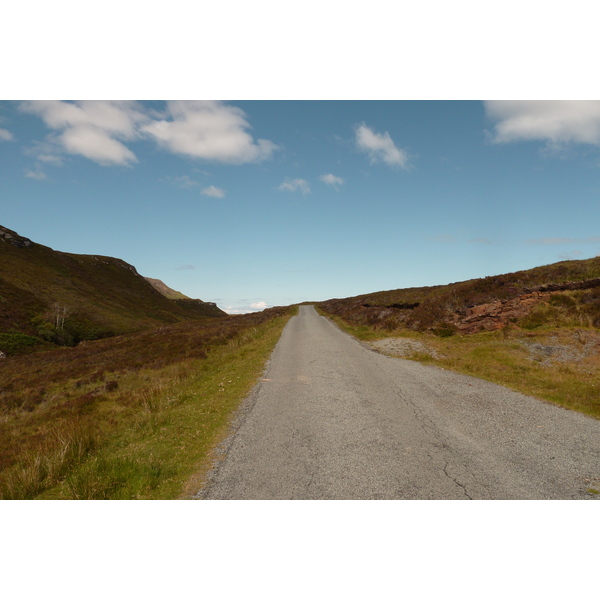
(5, 135)
(40, 175)
(213, 192)
(556, 121)
(48, 152)
(50, 159)
(208, 130)
(181, 181)
(332, 180)
(245, 307)
(97, 145)
(100, 130)
(380, 147)
(92, 128)
(292, 185)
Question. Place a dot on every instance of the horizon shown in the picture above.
(253, 204)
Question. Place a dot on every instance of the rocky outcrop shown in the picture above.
(587, 284)
(495, 315)
(6, 235)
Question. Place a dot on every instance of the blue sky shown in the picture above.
(260, 203)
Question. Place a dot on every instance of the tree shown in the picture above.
(59, 313)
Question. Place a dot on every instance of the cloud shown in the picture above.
(100, 130)
(97, 145)
(292, 185)
(332, 180)
(93, 129)
(181, 181)
(380, 147)
(208, 130)
(48, 152)
(39, 175)
(213, 192)
(555, 121)
(185, 268)
(243, 308)
(554, 241)
(5, 135)
(50, 159)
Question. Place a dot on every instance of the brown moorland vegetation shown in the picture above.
(441, 308)
(108, 418)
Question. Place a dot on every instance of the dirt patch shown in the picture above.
(402, 347)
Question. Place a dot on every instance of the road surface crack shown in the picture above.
(456, 482)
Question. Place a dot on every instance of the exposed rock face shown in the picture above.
(6, 235)
(495, 315)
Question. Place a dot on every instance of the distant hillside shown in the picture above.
(567, 291)
(165, 290)
(198, 307)
(64, 298)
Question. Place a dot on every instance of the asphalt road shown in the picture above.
(333, 419)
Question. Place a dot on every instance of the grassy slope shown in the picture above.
(165, 290)
(133, 416)
(104, 296)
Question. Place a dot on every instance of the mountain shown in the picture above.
(64, 298)
(165, 290)
(566, 292)
(199, 307)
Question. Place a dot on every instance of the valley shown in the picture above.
(113, 385)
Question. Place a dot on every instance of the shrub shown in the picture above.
(18, 343)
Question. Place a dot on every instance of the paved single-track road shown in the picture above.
(333, 419)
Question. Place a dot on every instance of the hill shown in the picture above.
(61, 298)
(564, 291)
(165, 290)
(196, 306)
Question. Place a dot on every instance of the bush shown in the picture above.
(18, 343)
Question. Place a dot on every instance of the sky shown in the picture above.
(252, 204)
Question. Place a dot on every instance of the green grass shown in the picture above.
(124, 426)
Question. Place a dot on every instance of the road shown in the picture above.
(332, 419)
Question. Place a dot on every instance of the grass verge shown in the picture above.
(557, 364)
(142, 433)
